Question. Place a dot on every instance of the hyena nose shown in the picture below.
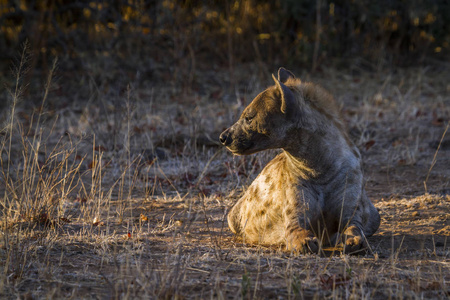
(225, 138)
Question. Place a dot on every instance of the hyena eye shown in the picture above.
(248, 119)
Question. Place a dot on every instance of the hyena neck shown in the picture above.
(313, 155)
(300, 167)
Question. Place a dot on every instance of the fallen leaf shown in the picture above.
(100, 148)
(81, 200)
(97, 222)
(91, 165)
(64, 220)
(432, 286)
(369, 144)
(438, 122)
(204, 191)
(401, 162)
(43, 218)
(138, 129)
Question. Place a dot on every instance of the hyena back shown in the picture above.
(312, 193)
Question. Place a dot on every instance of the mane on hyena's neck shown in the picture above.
(318, 99)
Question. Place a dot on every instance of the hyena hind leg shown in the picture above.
(354, 239)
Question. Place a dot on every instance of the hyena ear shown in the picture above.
(287, 97)
(284, 75)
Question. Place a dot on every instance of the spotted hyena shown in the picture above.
(312, 193)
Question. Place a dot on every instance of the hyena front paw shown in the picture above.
(354, 240)
(302, 241)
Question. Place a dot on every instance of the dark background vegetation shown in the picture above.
(173, 40)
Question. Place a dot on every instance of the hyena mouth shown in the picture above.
(242, 149)
(237, 152)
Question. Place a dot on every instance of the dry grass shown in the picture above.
(126, 197)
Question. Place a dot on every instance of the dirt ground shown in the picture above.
(145, 213)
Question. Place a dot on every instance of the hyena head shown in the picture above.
(265, 121)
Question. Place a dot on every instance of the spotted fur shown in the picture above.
(312, 193)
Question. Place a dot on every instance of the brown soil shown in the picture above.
(156, 226)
